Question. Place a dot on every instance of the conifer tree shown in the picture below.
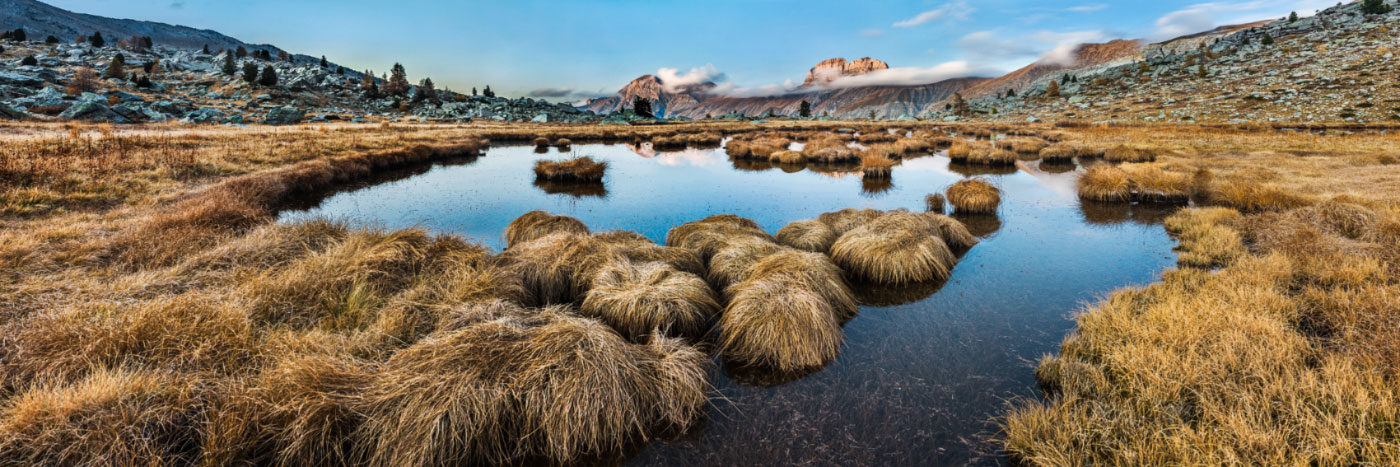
(29, 60)
(398, 81)
(324, 63)
(51, 40)
(116, 68)
(1293, 17)
(489, 93)
(230, 67)
(639, 105)
(426, 91)
(241, 53)
(96, 40)
(18, 35)
(805, 110)
(206, 50)
(269, 76)
(1267, 40)
(250, 73)
(1375, 7)
(367, 84)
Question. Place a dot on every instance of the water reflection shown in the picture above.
(925, 368)
(574, 189)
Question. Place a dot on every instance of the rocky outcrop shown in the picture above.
(835, 68)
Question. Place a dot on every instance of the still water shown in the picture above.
(918, 383)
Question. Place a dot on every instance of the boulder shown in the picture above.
(284, 116)
(205, 115)
(10, 113)
(92, 110)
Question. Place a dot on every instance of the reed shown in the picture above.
(578, 169)
(974, 196)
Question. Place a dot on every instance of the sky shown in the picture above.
(571, 50)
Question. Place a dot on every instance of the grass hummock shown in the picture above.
(579, 169)
(974, 196)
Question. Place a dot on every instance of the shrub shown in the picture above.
(29, 60)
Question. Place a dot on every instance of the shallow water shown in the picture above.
(917, 383)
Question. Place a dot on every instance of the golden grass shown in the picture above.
(1105, 183)
(895, 248)
(563, 143)
(707, 236)
(1206, 240)
(1023, 145)
(1124, 153)
(828, 148)
(1059, 152)
(731, 263)
(787, 157)
(536, 224)
(974, 196)
(848, 219)
(506, 385)
(991, 157)
(776, 324)
(808, 235)
(876, 166)
(935, 203)
(959, 151)
(578, 169)
(640, 299)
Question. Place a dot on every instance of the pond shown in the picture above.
(916, 383)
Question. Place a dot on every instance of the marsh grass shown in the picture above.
(876, 166)
(578, 169)
(974, 196)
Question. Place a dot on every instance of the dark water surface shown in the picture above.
(916, 384)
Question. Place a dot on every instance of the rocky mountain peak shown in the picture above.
(831, 69)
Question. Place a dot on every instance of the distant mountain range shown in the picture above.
(700, 101)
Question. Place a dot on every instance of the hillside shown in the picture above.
(40, 20)
(1337, 66)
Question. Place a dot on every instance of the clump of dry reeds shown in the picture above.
(787, 314)
(829, 148)
(959, 151)
(991, 157)
(558, 268)
(809, 235)
(895, 248)
(536, 224)
(935, 203)
(1059, 152)
(541, 142)
(504, 385)
(1142, 183)
(974, 196)
(640, 249)
(640, 299)
(578, 169)
(1206, 240)
(1023, 145)
(707, 236)
(1125, 153)
(847, 219)
(787, 157)
(876, 166)
(563, 143)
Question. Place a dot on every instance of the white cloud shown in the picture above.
(1046, 46)
(1203, 17)
(957, 9)
(914, 76)
(1092, 7)
(872, 32)
(734, 90)
(673, 80)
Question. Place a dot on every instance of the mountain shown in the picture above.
(699, 101)
(1086, 55)
(40, 20)
(1335, 66)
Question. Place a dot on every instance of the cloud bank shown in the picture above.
(958, 9)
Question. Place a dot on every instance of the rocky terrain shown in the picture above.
(188, 85)
(1337, 66)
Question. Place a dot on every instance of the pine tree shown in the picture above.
(116, 68)
(18, 35)
(489, 93)
(145, 82)
(29, 60)
(474, 91)
(241, 53)
(51, 40)
(250, 72)
(639, 105)
(367, 84)
(146, 42)
(340, 70)
(805, 110)
(398, 81)
(1010, 93)
(1052, 89)
(426, 91)
(96, 40)
(206, 50)
(324, 63)
(1064, 79)
(282, 56)
(230, 67)
(269, 76)
(1293, 17)
(1375, 7)
(1267, 40)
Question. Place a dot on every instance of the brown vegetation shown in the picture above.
(579, 169)
(974, 196)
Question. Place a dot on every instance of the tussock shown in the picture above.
(536, 224)
(974, 196)
(1023, 145)
(639, 299)
(895, 248)
(558, 268)
(1060, 152)
(1135, 182)
(509, 385)
(934, 203)
(1105, 183)
(876, 166)
(808, 235)
(848, 219)
(579, 169)
(1123, 153)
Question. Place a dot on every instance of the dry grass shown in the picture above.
(1123, 153)
(876, 166)
(974, 196)
(787, 157)
(959, 151)
(809, 235)
(578, 169)
(1023, 145)
(1060, 152)
(641, 299)
(991, 157)
(536, 224)
(848, 219)
(935, 203)
(1105, 183)
(895, 248)
(1206, 240)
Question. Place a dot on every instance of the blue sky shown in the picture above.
(575, 49)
